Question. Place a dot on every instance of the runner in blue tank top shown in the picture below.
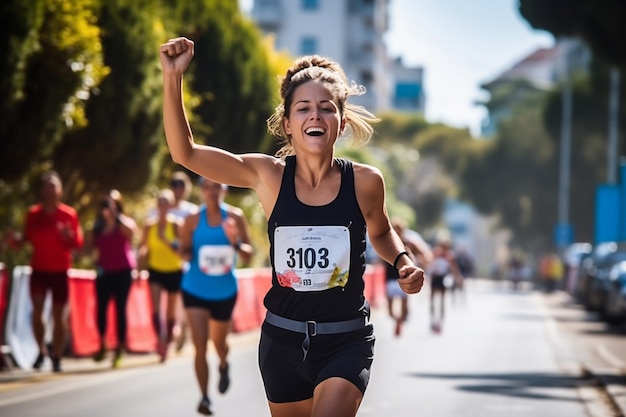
(316, 346)
(211, 240)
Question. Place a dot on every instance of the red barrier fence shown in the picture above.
(248, 314)
(249, 311)
(83, 316)
(375, 285)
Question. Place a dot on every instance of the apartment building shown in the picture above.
(351, 32)
(540, 70)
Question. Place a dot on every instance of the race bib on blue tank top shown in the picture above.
(216, 260)
(312, 258)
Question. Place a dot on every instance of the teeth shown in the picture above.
(315, 131)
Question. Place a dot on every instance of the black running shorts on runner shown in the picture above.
(436, 282)
(288, 378)
(221, 310)
(168, 280)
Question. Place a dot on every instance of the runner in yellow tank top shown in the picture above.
(162, 256)
(159, 249)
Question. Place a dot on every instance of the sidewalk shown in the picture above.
(598, 349)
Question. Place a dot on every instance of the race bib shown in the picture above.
(216, 259)
(312, 258)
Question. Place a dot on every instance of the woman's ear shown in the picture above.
(342, 126)
(286, 126)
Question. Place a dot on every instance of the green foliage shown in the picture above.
(231, 75)
(599, 22)
(451, 146)
(82, 94)
(19, 26)
(51, 40)
(399, 127)
(116, 148)
(517, 175)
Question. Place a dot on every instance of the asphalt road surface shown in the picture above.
(499, 354)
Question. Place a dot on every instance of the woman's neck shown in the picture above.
(212, 206)
(314, 170)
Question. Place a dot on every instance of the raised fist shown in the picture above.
(175, 55)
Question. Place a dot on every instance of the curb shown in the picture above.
(613, 382)
(608, 381)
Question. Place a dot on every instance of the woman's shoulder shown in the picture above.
(193, 217)
(263, 163)
(367, 176)
(365, 170)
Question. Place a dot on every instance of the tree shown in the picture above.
(53, 60)
(397, 127)
(118, 146)
(600, 25)
(230, 73)
(599, 22)
(515, 177)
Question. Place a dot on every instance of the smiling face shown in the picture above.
(314, 122)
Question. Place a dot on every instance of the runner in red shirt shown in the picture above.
(53, 230)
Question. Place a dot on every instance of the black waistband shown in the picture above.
(312, 328)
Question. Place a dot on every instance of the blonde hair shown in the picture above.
(317, 68)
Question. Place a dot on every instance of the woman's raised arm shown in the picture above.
(210, 162)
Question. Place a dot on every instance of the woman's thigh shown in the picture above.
(198, 319)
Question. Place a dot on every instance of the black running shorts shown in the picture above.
(288, 378)
(220, 310)
(168, 280)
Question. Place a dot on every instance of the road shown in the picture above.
(500, 354)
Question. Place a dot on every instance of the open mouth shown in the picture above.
(315, 131)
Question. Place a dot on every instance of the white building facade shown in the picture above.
(348, 31)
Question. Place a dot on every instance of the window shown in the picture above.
(407, 95)
(408, 90)
(308, 46)
(310, 4)
(367, 78)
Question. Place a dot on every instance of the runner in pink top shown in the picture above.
(112, 237)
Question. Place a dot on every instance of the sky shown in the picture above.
(460, 44)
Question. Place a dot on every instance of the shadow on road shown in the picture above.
(520, 385)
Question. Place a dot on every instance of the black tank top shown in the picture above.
(317, 253)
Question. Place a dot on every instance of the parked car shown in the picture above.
(572, 259)
(599, 284)
(615, 304)
(591, 289)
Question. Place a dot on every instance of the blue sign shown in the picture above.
(563, 235)
(607, 213)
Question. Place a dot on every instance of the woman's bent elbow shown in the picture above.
(181, 158)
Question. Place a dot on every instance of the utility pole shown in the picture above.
(563, 226)
(611, 174)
